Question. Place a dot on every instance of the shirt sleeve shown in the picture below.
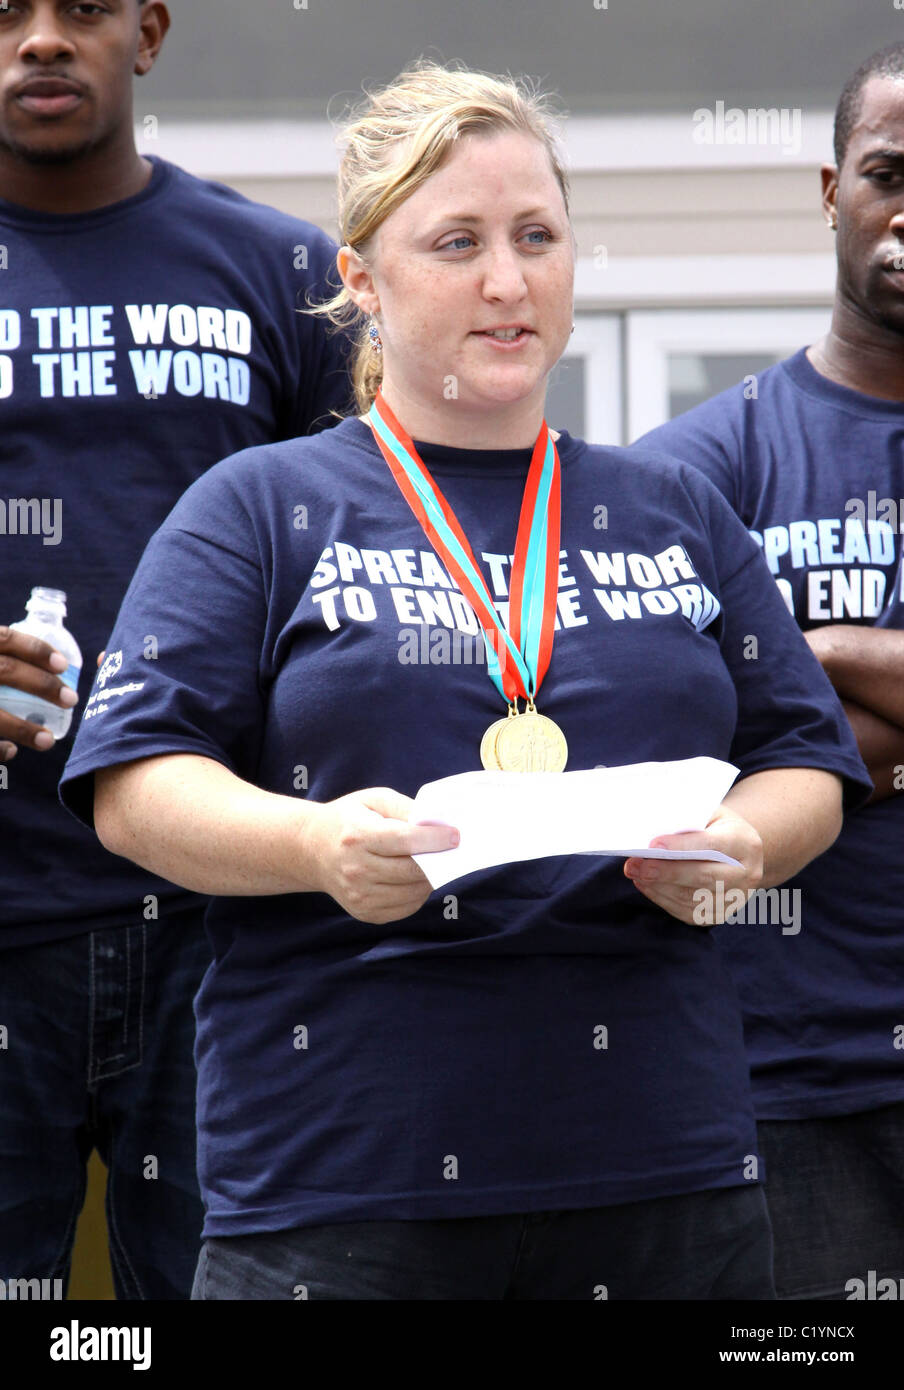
(182, 667)
(707, 438)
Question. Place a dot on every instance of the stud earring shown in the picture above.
(374, 334)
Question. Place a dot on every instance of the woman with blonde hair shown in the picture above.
(534, 1087)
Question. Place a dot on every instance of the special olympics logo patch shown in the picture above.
(112, 664)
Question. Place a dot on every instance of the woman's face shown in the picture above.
(471, 281)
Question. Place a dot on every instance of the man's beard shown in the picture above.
(47, 155)
(882, 310)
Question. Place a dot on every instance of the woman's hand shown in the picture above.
(190, 819)
(358, 850)
(677, 885)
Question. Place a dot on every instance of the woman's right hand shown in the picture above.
(358, 849)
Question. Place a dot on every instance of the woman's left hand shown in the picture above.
(687, 888)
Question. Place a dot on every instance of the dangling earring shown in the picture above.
(833, 223)
(374, 334)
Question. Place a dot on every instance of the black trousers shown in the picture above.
(835, 1190)
(703, 1245)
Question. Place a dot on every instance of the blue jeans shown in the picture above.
(835, 1189)
(701, 1245)
(100, 1054)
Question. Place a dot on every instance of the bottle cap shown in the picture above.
(44, 598)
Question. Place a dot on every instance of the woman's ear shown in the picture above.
(358, 280)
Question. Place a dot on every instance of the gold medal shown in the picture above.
(488, 743)
(531, 743)
(488, 746)
(526, 742)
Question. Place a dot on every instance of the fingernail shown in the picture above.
(44, 740)
(68, 696)
(7, 752)
(57, 662)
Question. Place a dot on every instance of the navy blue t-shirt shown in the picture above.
(809, 467)
(538, 1035)
(139, 344)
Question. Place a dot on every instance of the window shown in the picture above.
(585, 387)
(677, 358)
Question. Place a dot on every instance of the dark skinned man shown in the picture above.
(149, 327)
(812, 459)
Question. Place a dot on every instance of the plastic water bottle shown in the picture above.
(45, 611)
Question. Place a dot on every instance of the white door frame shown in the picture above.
(653, 334)
(598, 339)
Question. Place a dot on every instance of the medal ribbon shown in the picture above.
(535, 568)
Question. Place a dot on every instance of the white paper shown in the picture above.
(504, 817)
